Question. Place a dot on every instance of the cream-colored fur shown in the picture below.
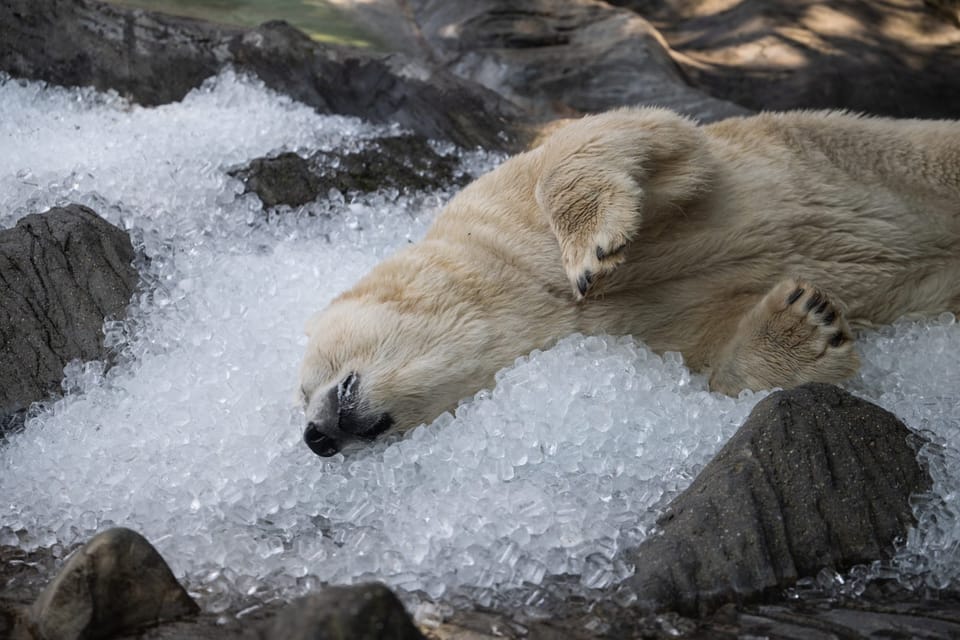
(749, 245)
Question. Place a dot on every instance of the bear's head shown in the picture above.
(390, 354)
(369, 369)
(433, 323)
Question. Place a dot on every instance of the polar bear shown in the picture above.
(752, 246)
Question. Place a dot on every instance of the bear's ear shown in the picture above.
(541, 132)
(312, 323)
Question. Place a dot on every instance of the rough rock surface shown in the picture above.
(154, 59)
(362, 612)
(897, 58)
(885, 610)
(406, 163)
(23, 574)
(706, 58)
(814, 478)
(114, 584)
(895, 615)
(948, 10)
(287, 179)
(392, 89)
(148, 57)
(561, 59)
(61, 274)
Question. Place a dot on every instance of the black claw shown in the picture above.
(837, 340)
(829, 318)
(795, 295)
(583, 282)
(813, 301)
(822, 307)
(602, 254)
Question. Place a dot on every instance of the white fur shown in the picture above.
(715, 220)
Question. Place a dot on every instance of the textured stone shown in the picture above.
(14, 621)
(426, 99)
(949, 10)
(814, 478)
(362, 612)
(154, 59)
(561, 59)
(406, 163)
(114, 584)
(706, 58)
(895, 58)
(288, 179)
(149, 58)
(61, 274)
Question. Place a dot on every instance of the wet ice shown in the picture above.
(194, 438)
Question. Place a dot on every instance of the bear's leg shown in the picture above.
(793, 335)
(594, 213)
(604, 177)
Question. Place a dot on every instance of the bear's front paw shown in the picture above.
(587, 263)
(594, 213)
(595, 241)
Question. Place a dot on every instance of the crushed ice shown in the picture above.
(194, 438)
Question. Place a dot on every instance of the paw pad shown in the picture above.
(811, 307)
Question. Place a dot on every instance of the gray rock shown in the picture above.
(899, 615)
(362, 612)
(561, 59)
(406, 163)
(14, 621)
(150, 58)
(419, 96)
(929, 620)
(154, 59)
(896, 59)
(24, 574)
(705, 58)
(814, 478)
(115, 584)
(61, 274)
(948, 10)
(288, 179)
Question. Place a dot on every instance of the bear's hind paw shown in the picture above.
(795, 334)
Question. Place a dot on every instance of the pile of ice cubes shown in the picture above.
(193, 438)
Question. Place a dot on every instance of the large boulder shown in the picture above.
(560, 59)
(149, 58)
(62, 273)
(815, 478)
(899, 58)
(705, 58)
(115, 584)
(154, 59)
(362, 612)
(422, 97)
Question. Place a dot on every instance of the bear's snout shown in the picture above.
(321, 444)
(341, 417)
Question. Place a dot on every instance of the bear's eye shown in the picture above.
(347, 390)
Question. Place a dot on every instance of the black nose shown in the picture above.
(321, 444)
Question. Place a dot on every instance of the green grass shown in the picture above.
(316, 18)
